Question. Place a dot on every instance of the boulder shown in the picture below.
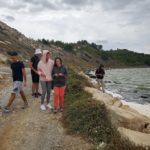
(118, 103)
(136, 137)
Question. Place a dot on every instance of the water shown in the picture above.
(132, 84)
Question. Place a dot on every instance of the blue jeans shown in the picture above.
(46, 89)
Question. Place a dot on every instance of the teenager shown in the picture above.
(34, 73)
(100, 73)
(59, 74)
(45, 68)
(18, 75)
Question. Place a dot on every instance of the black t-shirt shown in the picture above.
(35, 60)
(17, 71)
(100, 73)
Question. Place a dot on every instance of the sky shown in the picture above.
(112, 23)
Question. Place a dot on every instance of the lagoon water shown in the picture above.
(132, 84)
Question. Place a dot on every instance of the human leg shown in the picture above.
(43, 86)
(61, 97)
(56, 96)
(24, 98)
(48, 88)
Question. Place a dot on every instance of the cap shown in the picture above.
(38, 51)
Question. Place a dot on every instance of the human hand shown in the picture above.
(43, 75)
(60, 74)
(25, 84)
(56, 74)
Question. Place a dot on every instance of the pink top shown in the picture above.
(45, 68)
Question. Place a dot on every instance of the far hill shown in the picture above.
(79, 55)
(94, 54)
(11, 39)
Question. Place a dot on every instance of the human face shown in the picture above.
(14, 58)
(47, 56)
(58, 62)
(39, 55)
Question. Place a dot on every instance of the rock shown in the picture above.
(102, 145)
(144, 96)
(1, 114)
(107, 81)
(146, 128)
(1, 77)
(120, 115)
(118, 103)
(3, 58)
(125, 106)
(137, 137)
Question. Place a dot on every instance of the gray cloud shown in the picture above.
(79, 3)
(8, 18)
(123, 23)
(118, 4)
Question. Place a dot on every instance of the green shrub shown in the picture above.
(83, 114)
(89, 118)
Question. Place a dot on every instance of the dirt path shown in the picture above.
(32, 129)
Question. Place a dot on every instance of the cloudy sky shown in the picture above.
(112, 23)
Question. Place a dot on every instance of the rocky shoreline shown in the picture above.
(129, 122)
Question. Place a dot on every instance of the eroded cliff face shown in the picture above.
(11, 39)
(129, 122)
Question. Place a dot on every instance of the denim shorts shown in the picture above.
(17, 87)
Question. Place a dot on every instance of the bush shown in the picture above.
(83, 114)
(89, 118)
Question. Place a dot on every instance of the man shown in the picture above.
(18, 75)
(100, 72)
(35, 77)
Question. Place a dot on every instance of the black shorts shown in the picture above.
(35, 77)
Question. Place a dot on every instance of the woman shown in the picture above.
(59, 74)
(100, 73)
(45, 68)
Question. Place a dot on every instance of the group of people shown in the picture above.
(50, 74)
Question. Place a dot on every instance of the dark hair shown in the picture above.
(13, 53)
(101, 66)
(55, 61)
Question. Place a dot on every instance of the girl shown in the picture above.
(59, 74)
(45, 68)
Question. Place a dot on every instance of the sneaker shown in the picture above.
(49, 106)
(33, 94)
(61, 109)
(52, 91)
(39, 94)
(6, 109)
(55, 111)
(36, 95)
(43, 108)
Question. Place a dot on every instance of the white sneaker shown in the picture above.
(49, 106)
(43, 108)
(52, 91)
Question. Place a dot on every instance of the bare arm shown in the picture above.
(24, 76)
(30, 65)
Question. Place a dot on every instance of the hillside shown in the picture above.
(94, 54)
(80, 55)
(11, 39)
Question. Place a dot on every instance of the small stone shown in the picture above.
(118, 103)
(1, 77)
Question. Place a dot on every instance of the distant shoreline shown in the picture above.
(127, 67)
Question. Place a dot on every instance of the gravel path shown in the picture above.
(32, 129)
